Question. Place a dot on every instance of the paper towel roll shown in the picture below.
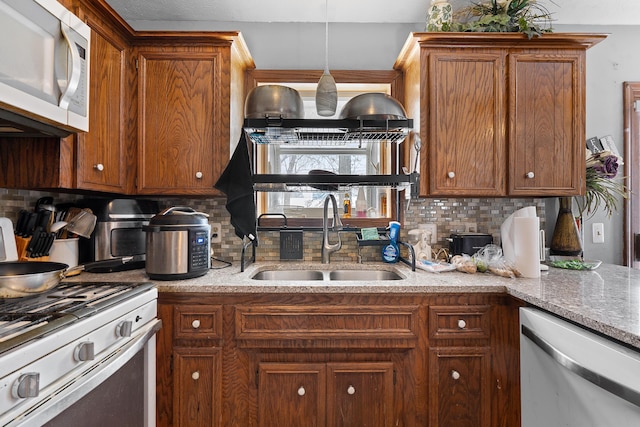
(527, 245)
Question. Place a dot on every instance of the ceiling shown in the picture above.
(588, 12)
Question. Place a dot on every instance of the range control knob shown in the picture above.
(84, 351)
(28, 385)
(124, 328)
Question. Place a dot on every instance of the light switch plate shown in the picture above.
(598, 232)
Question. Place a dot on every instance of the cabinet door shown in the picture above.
(459, 388)
(547, 123)
(360, 394)
(291, 394)
(179, 101)
(466, 122)
(105, 160)
(198, 384)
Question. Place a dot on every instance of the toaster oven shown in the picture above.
(118, 231)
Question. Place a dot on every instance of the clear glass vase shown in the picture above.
(566, 240)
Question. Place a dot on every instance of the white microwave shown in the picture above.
(44, 69)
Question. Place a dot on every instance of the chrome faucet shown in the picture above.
(328, 248)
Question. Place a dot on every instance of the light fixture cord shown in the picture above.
(326, 37)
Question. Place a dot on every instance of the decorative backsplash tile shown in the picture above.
(450, 215)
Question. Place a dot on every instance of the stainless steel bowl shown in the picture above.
(273, 100)
(373, 106)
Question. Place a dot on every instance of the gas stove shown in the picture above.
(69, 339)
(30, 318)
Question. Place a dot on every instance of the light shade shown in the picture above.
(326, 95)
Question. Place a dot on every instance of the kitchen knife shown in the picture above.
(33, 242)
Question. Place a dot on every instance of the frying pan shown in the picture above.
(25, 278)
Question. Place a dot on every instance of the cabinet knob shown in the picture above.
(351, 390)
(195, 324)
(195, 375)
(28, 385)
(301, 391)
(99, 167)
(455, 375)
(451, 174)
(462, 324)
(530, 175)
(199, 175)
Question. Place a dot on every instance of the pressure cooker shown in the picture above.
(177, 244)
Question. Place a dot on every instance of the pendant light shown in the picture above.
(326, 92)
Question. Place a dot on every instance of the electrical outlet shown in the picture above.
(433, 228)
(216, 232)
(470, 227)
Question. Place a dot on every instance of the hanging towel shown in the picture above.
(237, 183)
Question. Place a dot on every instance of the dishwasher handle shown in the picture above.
(614, 387)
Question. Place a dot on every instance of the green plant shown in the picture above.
(523, 16)
(603, 190)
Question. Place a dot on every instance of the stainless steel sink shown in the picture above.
(364, 275)
(335, 275)
(288, 275)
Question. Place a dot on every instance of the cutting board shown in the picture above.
(8, 250)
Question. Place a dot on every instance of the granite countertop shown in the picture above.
(606, 300)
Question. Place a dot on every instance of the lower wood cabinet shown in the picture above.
(197, 383)
(332, 394)
(376, 360)
(460, 389)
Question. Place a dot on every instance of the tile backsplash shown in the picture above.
(450, 215)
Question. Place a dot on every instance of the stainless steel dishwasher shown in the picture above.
(573, 377)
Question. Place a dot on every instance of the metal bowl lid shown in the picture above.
(179, 216)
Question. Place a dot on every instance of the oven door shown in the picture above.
(116, 390)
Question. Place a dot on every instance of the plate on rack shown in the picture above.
(574, 263)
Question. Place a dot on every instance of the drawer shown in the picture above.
(459, 322)
(315, 326)
(197, 322)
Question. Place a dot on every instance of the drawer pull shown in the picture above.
(351, 390)
(455, 375)
(462, 324)
(195, 324)
(451, 174)
(530, 175)
(199, 175)
(99, 167)
(195, 375)
(301, 391)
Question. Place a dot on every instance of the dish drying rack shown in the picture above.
(330, 133)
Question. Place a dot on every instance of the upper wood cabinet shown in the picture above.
(105, 158)
(495, 112)
(190, 98)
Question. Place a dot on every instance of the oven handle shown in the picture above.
(612, 386)
(74, 389)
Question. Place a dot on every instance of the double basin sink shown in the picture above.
(331, 275)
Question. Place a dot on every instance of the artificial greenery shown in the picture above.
(504, 16)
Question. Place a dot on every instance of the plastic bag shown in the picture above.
(434, 267)
(490, 259)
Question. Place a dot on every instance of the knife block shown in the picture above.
(21, 246)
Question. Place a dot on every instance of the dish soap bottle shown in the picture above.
(361, 204)
(390, 251)
(346, 205)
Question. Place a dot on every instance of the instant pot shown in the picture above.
(177, 244)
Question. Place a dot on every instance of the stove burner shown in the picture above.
(26, 318)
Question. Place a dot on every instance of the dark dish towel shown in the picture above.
(237, 183)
